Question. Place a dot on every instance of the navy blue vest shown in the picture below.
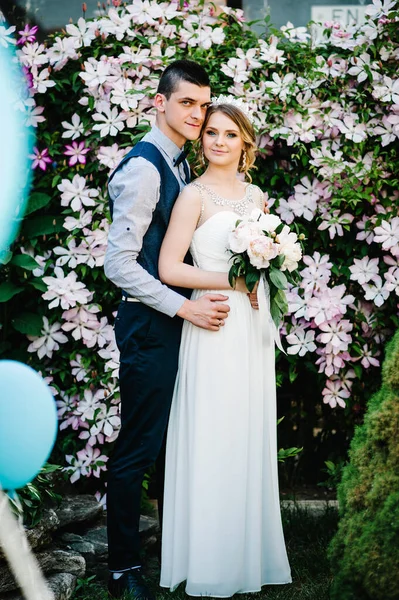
(169, 190)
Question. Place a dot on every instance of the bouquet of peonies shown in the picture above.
(265, 249)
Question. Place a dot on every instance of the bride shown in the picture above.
(222, 530)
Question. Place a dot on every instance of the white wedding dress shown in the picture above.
(222, 530)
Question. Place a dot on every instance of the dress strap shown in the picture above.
(261, 197)
(201, 190)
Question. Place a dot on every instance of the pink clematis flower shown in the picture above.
(77, 152)
(334, 394)
(28, 76)
(40, 159)
(28, 34)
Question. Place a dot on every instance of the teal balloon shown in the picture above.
(16, 141)
(28, 424)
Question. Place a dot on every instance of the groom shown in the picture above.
(142, 191)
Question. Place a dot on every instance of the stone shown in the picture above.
(61, 561)
(41, 534)
(61, 584)
(77, 543)
(98, 537)
(50, 561)
(78, 509)
(316, 507)
(148, 525)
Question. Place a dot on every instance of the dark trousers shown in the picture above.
(149, 346)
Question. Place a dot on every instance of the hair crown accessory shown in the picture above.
(237, 102)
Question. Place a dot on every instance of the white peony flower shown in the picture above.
(261, 251)
(289, 246)
(268, 222)
(240, 237)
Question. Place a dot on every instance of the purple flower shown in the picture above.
(40, 159)
(77, 153)
(28, 34)
(28, 76)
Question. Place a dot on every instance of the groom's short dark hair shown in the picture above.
(182, 70)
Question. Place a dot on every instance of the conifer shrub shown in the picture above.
(365, 550)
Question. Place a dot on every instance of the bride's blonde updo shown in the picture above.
(246, 130)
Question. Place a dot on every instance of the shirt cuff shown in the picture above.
(171, 303)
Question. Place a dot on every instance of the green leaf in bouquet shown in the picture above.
(232, 277)
(28, 323)
(281, 301)
(278, 261)
(24, 261)
(278, 278)
(8, 290)
(279, 228)
(251, 278)
(275, 312)
(36, 201)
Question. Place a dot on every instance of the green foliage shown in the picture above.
(285, 453)
(365, 551)
(37, 495)
(334, 472)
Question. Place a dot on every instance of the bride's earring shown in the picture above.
(202, 157)
(244, 161)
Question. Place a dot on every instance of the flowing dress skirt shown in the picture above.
(222, 530)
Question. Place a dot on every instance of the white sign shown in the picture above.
(346, 14)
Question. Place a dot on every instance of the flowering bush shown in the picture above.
(327, 117)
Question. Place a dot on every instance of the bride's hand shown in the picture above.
(240, 285)
(253, 297)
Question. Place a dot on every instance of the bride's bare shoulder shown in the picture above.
(190, 197)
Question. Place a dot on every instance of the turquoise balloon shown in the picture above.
(16, 141)
(28, 424)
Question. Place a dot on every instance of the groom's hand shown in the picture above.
(206, 312)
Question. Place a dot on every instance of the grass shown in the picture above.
(307, 537)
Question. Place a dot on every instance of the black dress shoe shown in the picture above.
(130, 585)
